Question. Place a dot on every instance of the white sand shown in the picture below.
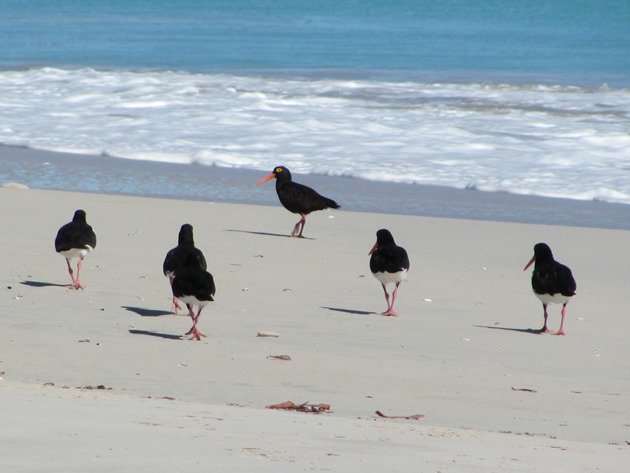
(453, 359)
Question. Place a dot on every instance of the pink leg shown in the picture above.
(390, 308)
(299, 226)
(70, 272)
(545, 329)
(194, 332)
(176, 305)
(561, 330)
(77, 284)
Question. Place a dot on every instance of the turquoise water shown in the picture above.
(561, 41)
(525, 97)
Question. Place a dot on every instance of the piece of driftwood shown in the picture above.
(412, 417)
(304, 407)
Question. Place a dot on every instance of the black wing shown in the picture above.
(194, 282)
(178, 256)
(553, 279)
(298, 198)
(390, 259)
(75, 235)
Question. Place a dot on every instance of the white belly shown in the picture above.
(76, 252)
(192, 300)
(389, 278)
(555, 299)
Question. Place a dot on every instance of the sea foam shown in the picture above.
(548, 140)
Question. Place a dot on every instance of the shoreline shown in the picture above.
(40, 169)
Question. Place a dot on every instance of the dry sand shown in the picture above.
(496, 397)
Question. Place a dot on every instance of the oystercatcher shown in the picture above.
(176, 257)
(193, 285)
(297, 198)
(551, 282)
(389, 263)
(75, 240)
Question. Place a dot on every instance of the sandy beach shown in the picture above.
(101, 379)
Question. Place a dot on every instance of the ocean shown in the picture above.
(524, 97)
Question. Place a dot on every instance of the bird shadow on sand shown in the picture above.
(349, 311)
(43, 284)
(512, 329)
(268, 234)
(168, 336)
(146, 312)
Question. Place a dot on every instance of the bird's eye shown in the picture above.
(278, 169)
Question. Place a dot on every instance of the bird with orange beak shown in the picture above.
(551, 282)
(297, 198)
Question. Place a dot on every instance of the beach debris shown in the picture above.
(100, 386)
(304, 407)
(426, 299)
(287, 289)
(266, 333)
(259, 256)
(411, 417)
(245, 289)
(280, 357)
(84, 340)
(168, 398)
(527, 390)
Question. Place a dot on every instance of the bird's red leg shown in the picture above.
(197, 331)
(77, 284)
(545, 329)
(194, 332)
(387, 300)
(561, 330)
(299, 227)
(70, 272)
(303, 221)
(390, 309)
(176, 305)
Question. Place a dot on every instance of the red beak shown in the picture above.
(530, 262)
(266, 178)
(374, 248)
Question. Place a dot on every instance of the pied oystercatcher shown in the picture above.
(176, 257)
(389, 263)
(297, 198)
(551, 282)
(75, 240)
(193, 285)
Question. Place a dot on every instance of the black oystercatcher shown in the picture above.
(389, 263)
(75, 240)
(176, 257)
(551, 282)
(297, 198)
(193, 285)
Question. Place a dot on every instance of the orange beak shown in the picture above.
(266, 178)
(374, 248)
(530, 262)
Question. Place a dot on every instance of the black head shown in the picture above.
(79, 216)
(542, 252)
(383, 237)
(542, 255)
(186, 234)
(282, 174)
